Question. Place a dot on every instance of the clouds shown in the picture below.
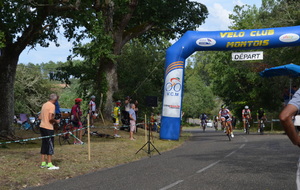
(219, 10)
(218, 19)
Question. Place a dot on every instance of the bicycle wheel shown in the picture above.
(35, 128)
(169, 86)
(177, 87)
(84, 125)
(261, 128)
(64, 139)
(247, 128)
(228, 133)
(84, 131)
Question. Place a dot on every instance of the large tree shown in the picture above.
(118, 22)
(24, 23)
(32, 22)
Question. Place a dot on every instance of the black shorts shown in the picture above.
(76, 124)
(47, 143)
(260, 117)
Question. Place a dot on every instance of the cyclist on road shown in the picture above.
(225, 117)
(203, 118)
(246, 114)
(261, 116)
(216, 119)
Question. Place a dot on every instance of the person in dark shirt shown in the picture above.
(260, 115)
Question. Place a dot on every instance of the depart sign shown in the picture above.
(247, 56)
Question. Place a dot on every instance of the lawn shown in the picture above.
(20, 162)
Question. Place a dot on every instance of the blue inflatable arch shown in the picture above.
(211, 41)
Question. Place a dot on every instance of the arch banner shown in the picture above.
(193, 41)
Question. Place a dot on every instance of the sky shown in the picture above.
(218, 19)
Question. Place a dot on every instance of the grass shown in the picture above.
(20, 162)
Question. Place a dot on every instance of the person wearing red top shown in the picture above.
(76, 114)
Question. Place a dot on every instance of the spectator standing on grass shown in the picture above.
(46, 127)
(286, 119)
(152, 122)
(116, 115)
(158, 118)
(136, 109)
(127, 103)
(57, 108)
(76, 114)
(132, 117)
(92, 110)
(57, 114)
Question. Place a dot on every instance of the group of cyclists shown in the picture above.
(225, 117)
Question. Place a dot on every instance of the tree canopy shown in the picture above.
(110, 24)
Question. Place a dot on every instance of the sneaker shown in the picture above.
(258, 130)
(117, 136)
(224, 130)
(244, 130)
(52, 167)
(43, 165)
(92, 126)
(232, 135)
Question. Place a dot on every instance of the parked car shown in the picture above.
(209, 123)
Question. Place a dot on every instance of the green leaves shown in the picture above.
(198, 96)
(2, 40)
(31, 89)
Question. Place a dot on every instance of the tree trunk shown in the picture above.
(8, 66)
(108, 71)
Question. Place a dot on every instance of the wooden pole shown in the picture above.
(100, 105)
(145, 128)
(272, 124)
(89, 139)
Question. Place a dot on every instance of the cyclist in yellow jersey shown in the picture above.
(116, 114)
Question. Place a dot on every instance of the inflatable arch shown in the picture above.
(193, 41)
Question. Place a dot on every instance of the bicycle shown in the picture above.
(84, 125)
(32, 123)
(203, 124)
(261, 126)
(247, 126)
(66, 137)
(228, 132)
(175, 86)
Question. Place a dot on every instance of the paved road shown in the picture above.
(207, 161)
